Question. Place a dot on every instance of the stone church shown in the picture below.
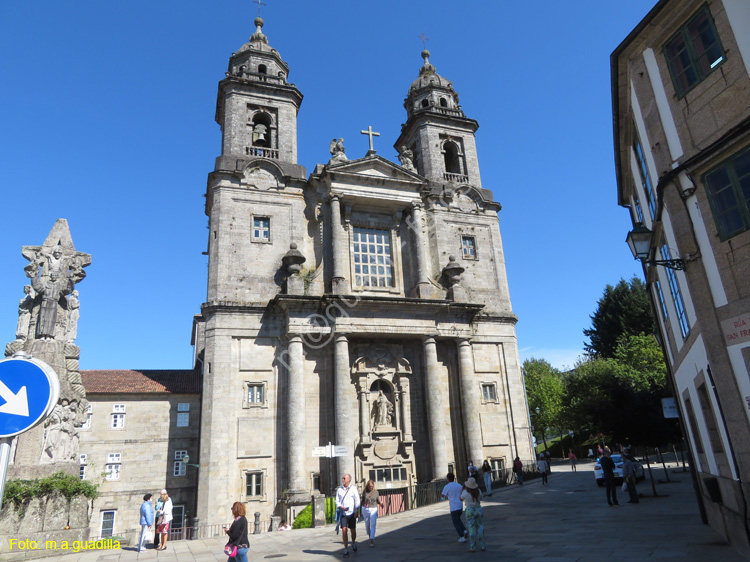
(365, 305)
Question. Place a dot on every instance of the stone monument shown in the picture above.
(47, 327)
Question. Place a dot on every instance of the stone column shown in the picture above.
(338, 283)
(364, 409)
(436, 412)
(297, 479)
(342, 388)
(424, 289)
(470, 402)
(405, 403)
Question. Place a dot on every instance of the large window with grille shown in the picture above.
(694, 52)
(373, 266)
(728, 188)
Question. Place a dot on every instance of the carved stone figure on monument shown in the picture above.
(406, 157)
(24, 313)
(52, 290)
(336, 148)
(71, 325)
(60, 434)
(383, 410)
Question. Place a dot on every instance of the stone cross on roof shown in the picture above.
(424, 39)
(370, 133)
(259, 3)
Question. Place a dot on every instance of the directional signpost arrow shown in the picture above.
(29, 390)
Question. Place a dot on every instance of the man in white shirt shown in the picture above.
(347, 504)
(452, 492)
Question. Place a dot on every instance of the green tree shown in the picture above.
(623, 310)
(545, 390)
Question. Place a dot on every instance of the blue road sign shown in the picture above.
(29, 390)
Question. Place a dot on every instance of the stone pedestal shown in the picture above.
(295, 285)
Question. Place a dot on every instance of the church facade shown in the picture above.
(365, 306)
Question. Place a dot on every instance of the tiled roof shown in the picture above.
(138, 381)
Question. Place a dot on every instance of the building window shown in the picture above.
(316, 481)
(82, 462)
(469, 247)
(178, 517)
(372, 258)
(118, 421)
(118, 408)
(108, 523)
(708, 417)
(728, 188)
(498, 469)
(254, 484)
(638, 209)
(179, 468)
(674, 287)
(694, 52)
(489, 392)
(183, 414)
(255, 394)
(389, 474)
(648, 187)
(261, 229)
(87, 423)
(112, 468)
(697, 441)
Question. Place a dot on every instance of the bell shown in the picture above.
(259, 132)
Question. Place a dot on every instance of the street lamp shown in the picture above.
(639, 240)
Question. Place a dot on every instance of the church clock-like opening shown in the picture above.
(452, 158)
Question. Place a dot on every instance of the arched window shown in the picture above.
(425, 102)
(262, 129)
(443, 102)
(262, 69)
(452, 160)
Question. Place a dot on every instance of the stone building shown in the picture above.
(365, 305)
(680, 89)
(140, 426)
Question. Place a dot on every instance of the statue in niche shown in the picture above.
(24, 313)
(336, 148)
(406, 157)
(383, 410)
(60, 434)
(71, 325)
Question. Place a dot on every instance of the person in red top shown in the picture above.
(573, 459)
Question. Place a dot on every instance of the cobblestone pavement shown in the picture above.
(567, 520)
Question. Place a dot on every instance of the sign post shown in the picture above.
(330, 451)
(30, 390)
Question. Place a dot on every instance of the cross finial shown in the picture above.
(424, 39)
(259, 3)
(370, 133)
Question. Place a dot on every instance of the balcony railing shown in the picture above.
(455, 178)
(262, 152)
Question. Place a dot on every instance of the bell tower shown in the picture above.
(437, 131)
(256, 106)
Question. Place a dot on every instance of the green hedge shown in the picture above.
(22, 491)
(304, 517)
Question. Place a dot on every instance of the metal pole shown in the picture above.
(4, 461)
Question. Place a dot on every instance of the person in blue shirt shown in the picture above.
(147, 519)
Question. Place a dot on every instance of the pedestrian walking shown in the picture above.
(452, 492)
(543, 467)
(518, 469)
(237, 533)
(548, 458)
(608, 472)
(370, 505)
(471, 497)
(147, 520)
(487, 474)
(157, 509)
(572, 457)
(347, 504)
(628, 475)
(591, 454)
(164, 519)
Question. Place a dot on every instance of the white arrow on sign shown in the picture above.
(16, 404)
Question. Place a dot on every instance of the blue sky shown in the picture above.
(107, 120)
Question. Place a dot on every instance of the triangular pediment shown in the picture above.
(375, 167)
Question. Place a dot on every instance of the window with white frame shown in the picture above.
(728, 190)
(498, 468)
(108, 523)
(112, 468)
(255, 394)
(489, 392)
(82, 463)
(254, 484)
(373, 266)
(674, 287)
(261, 229)
(180, 468)
(645, 177)
(469, 247)
(183, 414)
(87, 424)
(118, 416)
